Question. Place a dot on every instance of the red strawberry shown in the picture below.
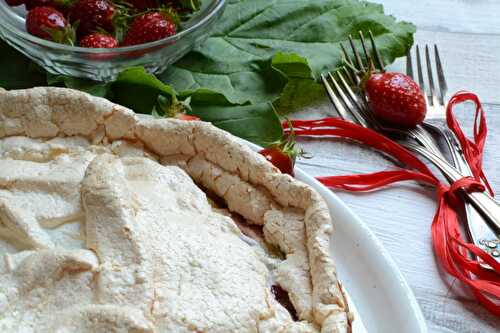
(183, 116)
(15, 3)
(283, 154)
(48, 23)
(148, 28)
(98, 40)
(396, 99)
(283, 161)
(92, 15)
(61, 5)
(144, 4)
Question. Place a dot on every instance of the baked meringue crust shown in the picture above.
(104, 227)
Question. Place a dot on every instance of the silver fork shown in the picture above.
(483, 235)
(435, 120)
(419, 133)
(356, 107)
(351, 107)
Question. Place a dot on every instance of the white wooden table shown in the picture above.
(468, 34)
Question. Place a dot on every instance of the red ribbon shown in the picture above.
(473, 150)
(452, 251)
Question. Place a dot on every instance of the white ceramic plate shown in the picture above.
(378, 294)
(382, 299)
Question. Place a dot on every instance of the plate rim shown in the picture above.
(399, 283)
(395, 275)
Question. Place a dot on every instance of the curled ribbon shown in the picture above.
(473, 150)
(456, 256)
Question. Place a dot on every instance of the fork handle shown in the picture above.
(478, 229)
(488, 207)
(484, 203)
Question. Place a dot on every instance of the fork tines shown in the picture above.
(347, 103)
(358, 62)
(371, 54)
(435, 91)
(434, 96)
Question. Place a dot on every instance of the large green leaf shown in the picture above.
(301, 89)
(256, 123)
(144, 93)
(234, 61)
(261, 52)
(139, 90)
(94, 88)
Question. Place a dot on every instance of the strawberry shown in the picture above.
(280, 159)
(396, 99)
(283, 154)
(148, 28)
(142, 5)
(98, 40)
(61, 5)
(15, 3)
(183, 116)
(48, 23)
(92, 15)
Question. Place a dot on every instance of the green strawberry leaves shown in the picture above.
(191, 5)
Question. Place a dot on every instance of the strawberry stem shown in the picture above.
(287, 145)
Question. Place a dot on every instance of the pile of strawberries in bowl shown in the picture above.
(104, 23)
(99, 39)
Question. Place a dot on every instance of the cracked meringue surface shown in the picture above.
(104, 226)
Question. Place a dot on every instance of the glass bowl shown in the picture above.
(105, 64)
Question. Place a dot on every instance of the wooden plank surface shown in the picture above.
(460, 16)
(471, 61)
(468, 34)
(401, 217)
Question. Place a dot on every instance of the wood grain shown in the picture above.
(461, 16)
(468, 34)
(470, 61)
(401, 217)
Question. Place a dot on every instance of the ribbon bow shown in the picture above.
(453, 252)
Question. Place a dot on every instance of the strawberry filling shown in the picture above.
(282, 297)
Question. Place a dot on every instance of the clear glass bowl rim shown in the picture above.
(219, 4)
